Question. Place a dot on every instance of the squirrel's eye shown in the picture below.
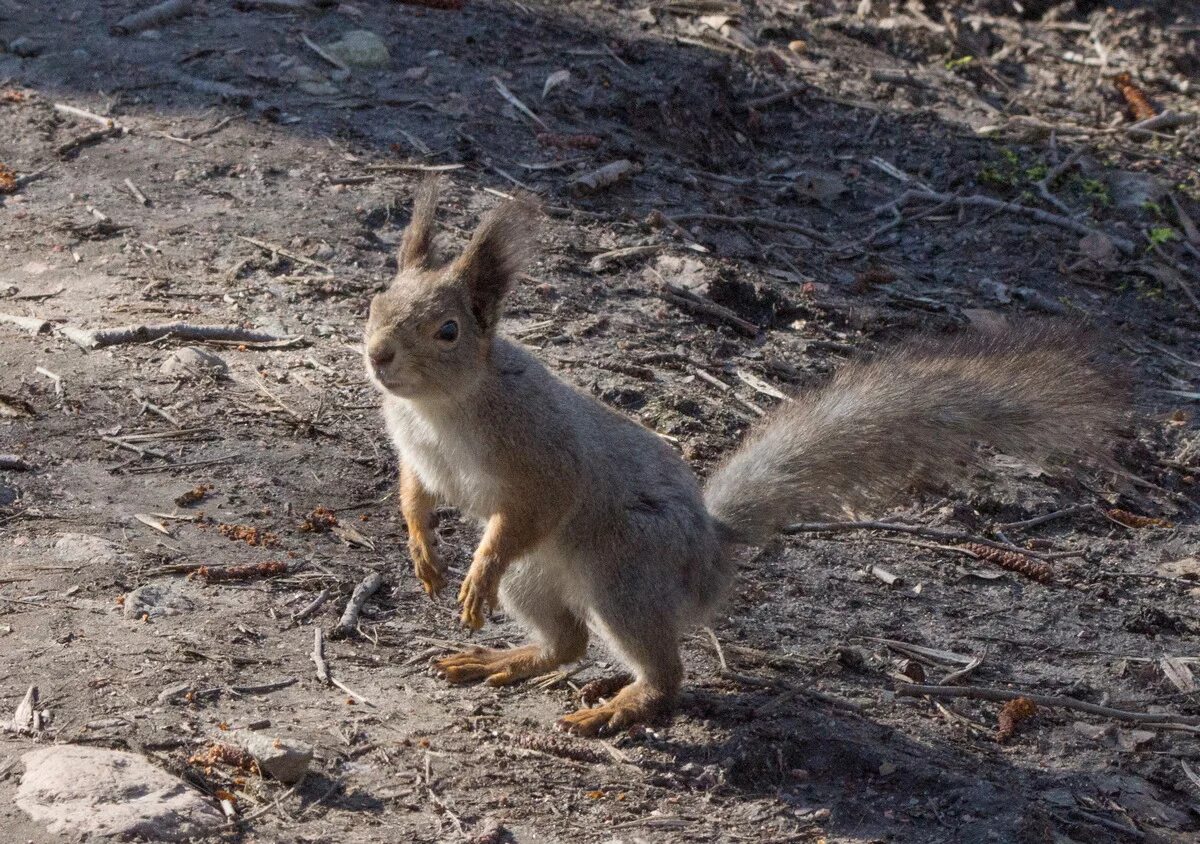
(448, 332)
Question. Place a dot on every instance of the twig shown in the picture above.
(152, 17)
(271, 247)
(1049, 517)
(918, 530)
(33, 324)
(749, 220)
(313, 606)
(141, 451)
(100, 338)
(318, 655)
(325, 54)
(979, 201)
(106, 122)
(737, 676)
(1052, 701)
(695, 303)
(771, 99)
(137, 194)
(211, 130)
(89, 138)
(349, 622)
(1052, 176)
(360, 698)
(517, 104)
(263, 688)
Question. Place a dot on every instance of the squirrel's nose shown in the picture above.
(382, 357)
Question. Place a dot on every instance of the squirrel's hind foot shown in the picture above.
(498, 667)
(637, 703)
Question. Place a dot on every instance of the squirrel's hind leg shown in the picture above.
(644, 632)
(538, 607)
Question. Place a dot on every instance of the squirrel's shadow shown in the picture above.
(853, 775)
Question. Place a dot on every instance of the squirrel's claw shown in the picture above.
(427, 569)
(480, 593)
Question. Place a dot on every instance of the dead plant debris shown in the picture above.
(1012, 714)
(1011, 560)
(1133, 520)
(224, 754)
(558, 140)
(254, 536)
(1135, 97)
(320, 520)
(251, 571)
(561, 747)
(194, 495)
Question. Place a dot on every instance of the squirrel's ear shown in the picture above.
(417, 241)
(497, 251)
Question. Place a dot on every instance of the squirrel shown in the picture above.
(592, 524)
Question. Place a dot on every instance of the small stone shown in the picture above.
(286, 760)
(1092, 732)
(360, 48)
(155, 600)
(81, 548)
(24, 47)
(191, 362)
(90, 792)
(1133, 191)
(1132, 741)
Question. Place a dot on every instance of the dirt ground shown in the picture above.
(767, 140)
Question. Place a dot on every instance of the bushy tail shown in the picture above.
(913, 416)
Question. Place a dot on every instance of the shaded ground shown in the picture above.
(291, 153)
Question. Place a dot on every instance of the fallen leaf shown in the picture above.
(1100, 248)
(1178, 672)
(351, 536)
(1134, 740)
(1187, 568)
(152, 522)
(559, 77)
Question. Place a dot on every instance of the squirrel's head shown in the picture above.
(429, 334)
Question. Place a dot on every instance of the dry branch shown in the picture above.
(318, 655)
(979, 201)
(102, 337)
(313, 606)
(34, 324)
(1050, 701)
(697, 304)
(750, 220)
(12, 463)
(152, 17)
(349, 621)
(917, 530)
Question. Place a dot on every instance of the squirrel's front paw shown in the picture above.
(427, 568)
(479, 594)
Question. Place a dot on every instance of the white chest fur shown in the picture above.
(449, 462)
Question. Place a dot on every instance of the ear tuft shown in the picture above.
(417, 241)
(498, 250)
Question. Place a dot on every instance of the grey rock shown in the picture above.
(360, 48)
(286, 760)
(156, 600)
(24, 47)
(90, 791)
(192, 362)
(1131, 191)
(82, 548)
